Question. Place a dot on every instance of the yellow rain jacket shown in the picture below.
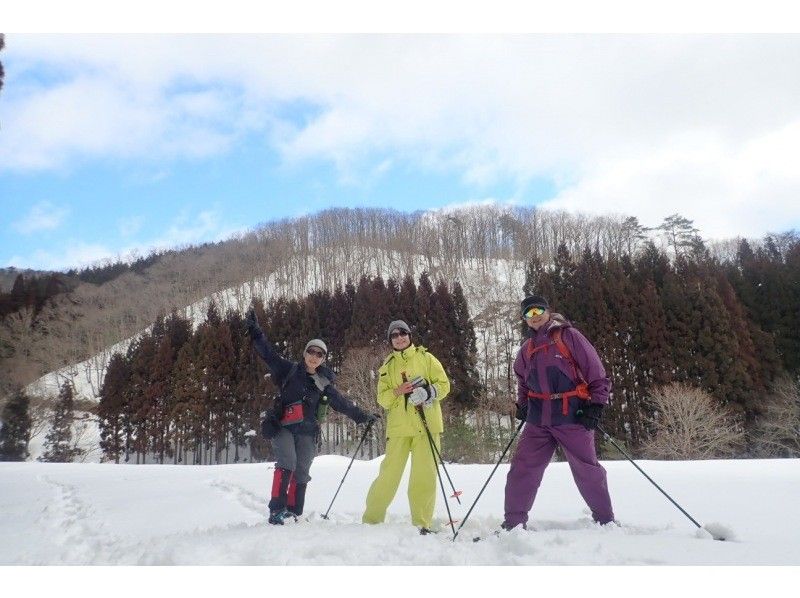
(405, 435)
(413, 361)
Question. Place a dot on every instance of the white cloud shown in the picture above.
(73, 255)
(702, 124)
(43, 216)
(187, 229)
(746, 190)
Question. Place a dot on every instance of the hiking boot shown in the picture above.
(278, 517)
(508, 526)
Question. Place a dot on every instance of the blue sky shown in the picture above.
(117, 143)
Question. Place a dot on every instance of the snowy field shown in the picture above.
(81, 514)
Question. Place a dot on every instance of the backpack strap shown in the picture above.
(567, 354)
(581, 387)
(292, 372)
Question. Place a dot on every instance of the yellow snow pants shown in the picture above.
(421, 482)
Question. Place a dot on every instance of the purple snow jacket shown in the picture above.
(547, 371)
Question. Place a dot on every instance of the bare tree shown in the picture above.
(689, 424)
(777, 432)
(358, 381)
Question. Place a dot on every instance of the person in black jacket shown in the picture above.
(292, 425)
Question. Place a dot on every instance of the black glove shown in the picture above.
(371, 419)
(522, 411)
(589, 416)
(251, 321)
(271, 425)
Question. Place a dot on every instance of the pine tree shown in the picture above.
(15, 427)
(633, 234)
(681, 235)
(58, 442)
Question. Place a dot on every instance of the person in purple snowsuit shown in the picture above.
(561, 400)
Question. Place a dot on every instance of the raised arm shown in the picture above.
(278, 365)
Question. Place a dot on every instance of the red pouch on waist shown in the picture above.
(292, 414)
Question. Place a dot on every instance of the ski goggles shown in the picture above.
(315, 352)
(398, 334)
(534, 311)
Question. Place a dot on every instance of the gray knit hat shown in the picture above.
(315, 342)
(397, 325)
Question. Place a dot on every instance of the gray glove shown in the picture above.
(431, 390)
(422, 395)
(418, 396)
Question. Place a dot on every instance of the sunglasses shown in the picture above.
(534, 311)
(315, 353)
(398, 334)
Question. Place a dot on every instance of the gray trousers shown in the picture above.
(295, 452)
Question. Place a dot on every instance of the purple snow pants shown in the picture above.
(536, 447)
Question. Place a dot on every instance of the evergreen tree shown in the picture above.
(141, 355)
(406, 302)
(681, 235)
(111, 408)
(465, 352)
(217, 364)
(651, 346)
(187, 410)
(337, 316)
(15, 427)
(633, 234)
(383, 306)
(58, 442)
(157, 396)
(362, 329)
(565, 296)
(422, 307)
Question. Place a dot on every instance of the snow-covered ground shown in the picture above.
(52, 514)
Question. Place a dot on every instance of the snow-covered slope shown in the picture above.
(484, 288)
(126, 514)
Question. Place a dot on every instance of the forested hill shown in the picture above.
(51, 320)
(661, 305)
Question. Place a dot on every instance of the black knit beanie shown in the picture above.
(534, 301)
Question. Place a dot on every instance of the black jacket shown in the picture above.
(296, 384)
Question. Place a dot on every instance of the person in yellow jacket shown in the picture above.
(405, 432)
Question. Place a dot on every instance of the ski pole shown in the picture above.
(438, 455)
(438, 474)
(363, 437)
(607, 436)
(500, 460)
(417, 382)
